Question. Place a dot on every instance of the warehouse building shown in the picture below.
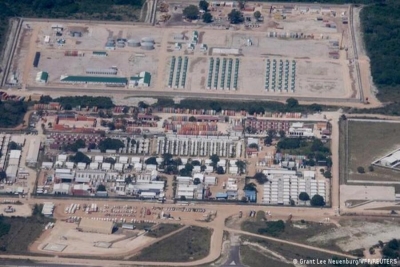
(119, 81)
(11, 173)
(33, 153)
(42, 77)
(99, 227)
(61, 189)
(143, 79)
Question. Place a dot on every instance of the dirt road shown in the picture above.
(332, 252)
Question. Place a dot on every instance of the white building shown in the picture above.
(81, 166)
(61, 188)
(15, 154)
(233, 170)
(123, 159)
(98, 159)
(47, 165)
(184, 179)
(94, 166)
(33, 152)
(11, 173)
(86, 176)
(69, 165)
(62, 158)
(119, 167)
(66, 175)
(297, 129)
(210, 180)
(186, 191)
(391, 159)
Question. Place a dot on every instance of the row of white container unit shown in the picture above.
(281, 191)
(186, 180)
(188, 147)
(142, 146)
(4, 140)
(62, 161)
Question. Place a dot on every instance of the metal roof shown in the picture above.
(93, 79)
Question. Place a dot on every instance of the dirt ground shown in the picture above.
(20, 210)
(317, 74)
(80, 243)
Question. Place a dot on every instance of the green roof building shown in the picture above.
(100, 53)
(42, 77)
(143, 79)
(119, 81)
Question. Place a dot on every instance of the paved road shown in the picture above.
(234, 257)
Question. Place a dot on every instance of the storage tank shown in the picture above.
(148, 40)
(133, 43)
(147, 45)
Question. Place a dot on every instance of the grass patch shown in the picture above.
(269, 228)
(190, 244)
(163, 229)
(367, 141)
(17, 233)
(250, 256)
(294, 231)
(290, 252)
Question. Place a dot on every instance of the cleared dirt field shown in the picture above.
(316, 75)
(368, 141)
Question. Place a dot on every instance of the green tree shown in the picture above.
(142, 104)
(268, 140)
(192, 119)
(74, 147)
(167, 158)
(191, 12)
(292, 103)
(328, 174)
(253, 145)
(282, 134)
(80, 157)
(203, 5)
(128, 180)
(196, 163)
(371, 168)
(110, 143)
(257, 15)
(12, 146)
(207, 18)
(125, 110)
(3, 175)
(360, 169)
(196, 181)
(220, 170)
(214, 160)
(260, 177)
(250, 187)
(241, 166)
(235, 17)
(101, 188)
(110, 160)
(303, 196)
(151, 161)
(317, 201)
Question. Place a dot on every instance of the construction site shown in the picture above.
(302, 55)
